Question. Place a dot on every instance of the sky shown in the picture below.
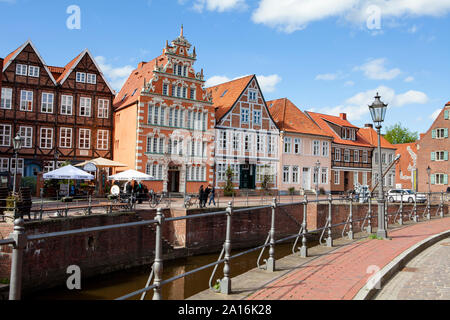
(328, 56)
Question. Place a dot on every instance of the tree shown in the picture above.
(228, 191)
(397, 134)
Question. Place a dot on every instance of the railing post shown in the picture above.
(41, 211)
(271, 261)
(369, 222)
(158, 264)
(90, 208)
(20, 242)
(247, 198)
(429, 207)
(442, 205)
(416, 216)
(400, 221)
(329, 239)
(225, 283)
(386, 213)
(304, 248)
(350, 232)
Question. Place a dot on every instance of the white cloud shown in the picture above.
(116, 76)
(292, 15)
(409, 79)
(435, 114)
(375, 69)
(327, 76)
(218, 5)
(267, 83)
(357, 106)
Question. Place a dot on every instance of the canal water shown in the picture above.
(114, 285)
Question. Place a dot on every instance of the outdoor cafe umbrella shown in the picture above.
(68, 173)
(131, 175)
(102, 163)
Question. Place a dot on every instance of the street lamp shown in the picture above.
(429, 179)
(317, 170)
(378, 112)
(17, 145)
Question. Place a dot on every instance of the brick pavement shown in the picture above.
(342, 273)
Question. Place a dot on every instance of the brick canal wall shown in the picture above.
(46, 261)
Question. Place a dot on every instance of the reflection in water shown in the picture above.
(114, 285)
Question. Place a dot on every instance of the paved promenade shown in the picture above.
(426, 277)
(340, 274)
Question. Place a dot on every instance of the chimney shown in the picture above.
(422, 135)
(141, 64)
(368, 125)
(343, 116)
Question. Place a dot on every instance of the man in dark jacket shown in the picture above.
(206, 196)
(201, 194)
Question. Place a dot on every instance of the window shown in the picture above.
(439, 156)
(365, 157)
(245, 114)
(316, 148)
(192, 92)
(4, 164)
(26, 100)
(440, 133)
(33, 71)
(173, 91)
(324, 176)
(221, 169)
(46, 138)
(252, 95)
(84, 140)
(297, 146)
(19, 165)
(355, 178)
(47, 103)
(165, 89)
(81, 77)
(91, 78)
(383, 158)
(171, 117)
(325, 149)
(162, 117)
(27, 135)
(85, 107)
(446, 114)
(258, 143)
(247, 143)
(236, 138)
(439, 178)
(295, 174)
(65, 138)
(102, 139)
(223, 140)
(204, 120)
(364, 178)
(175, 118)
(66, 105)
(287, 145)
(286, 170)
(391, 158)
(6, 101)
(337, 154)
(179, 91)
(315, 177)
(103, 108)
(5, 135)
(271, 145)
(154, 170)
(347, 155)
(21, 70)
(377, 158)
(257, 117)
(356, 156)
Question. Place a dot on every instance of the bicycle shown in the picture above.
(156, 199)
(191, 201)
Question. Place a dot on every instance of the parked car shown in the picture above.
(396, 195)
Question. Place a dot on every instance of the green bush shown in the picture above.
(228, 191)
(291, 191)
(29, 182)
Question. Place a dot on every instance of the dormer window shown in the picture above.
(252, 94)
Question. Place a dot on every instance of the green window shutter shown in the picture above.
(446, 155)
(446, 179)
(433, 134)
(433, 179)
(446, 114)
(433, 156)
(446, 133)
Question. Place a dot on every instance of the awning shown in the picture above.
(131, 175)
(68, 173)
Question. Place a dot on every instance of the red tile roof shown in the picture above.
(67, 68)
(135, 83)
(12, 54)
(289, 118)
(226, 94)
(321, 120)
(56, 71)
(371, 135)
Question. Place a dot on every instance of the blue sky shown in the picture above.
(325, 55)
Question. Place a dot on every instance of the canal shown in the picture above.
(114, 285)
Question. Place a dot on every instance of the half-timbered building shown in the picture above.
(164, 121)
(247, 137)
(62, 113)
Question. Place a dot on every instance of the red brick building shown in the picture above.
(433, 148)
(164, 121)
(406, 169)
(62, 113)
(351, 153)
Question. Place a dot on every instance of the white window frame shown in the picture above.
(27, 134)
(81, 77)
(33, 71)
(337, 154)
(245, 115)
(103, 108)
(46, 139)
(252, 95)
(46, 104)
(295, 174)
(64, 137)
(85, 107)
(21, 70)
(66, 107)
(20, 167)
(346, 155)
(365, 156)
(25, 104)
(356, 156)
(6, 102)
(257, 117)
(5, 135)
(82, 139)
(287, 145)
(4, 164)
(325, 149)
(297, 146)
(91, 78)
(316, 148)
(286, 173)
(324, 174)
(102, 139)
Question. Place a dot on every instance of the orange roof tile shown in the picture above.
(321, 120)
(371, 135)
(12, 54)
(225, 95)
(67, 68)
(289, 118)
(135, 83)
(56, 71)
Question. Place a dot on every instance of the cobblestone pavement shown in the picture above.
(426, 277)
(342, 273)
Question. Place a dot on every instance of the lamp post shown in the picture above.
(429, 179)
(317, 170)
(17, 145)
(378, 112)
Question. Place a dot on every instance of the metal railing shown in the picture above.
(19, 239)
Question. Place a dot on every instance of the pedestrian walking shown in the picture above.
(206, 196)
(212, 196)
(201, 194)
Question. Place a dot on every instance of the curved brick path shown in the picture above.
(340, 274)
